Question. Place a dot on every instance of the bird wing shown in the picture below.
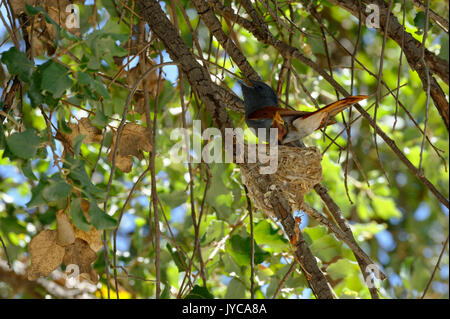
(269, 112)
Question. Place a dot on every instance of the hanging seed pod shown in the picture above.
(66, 234)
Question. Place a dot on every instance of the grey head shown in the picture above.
(257, 96)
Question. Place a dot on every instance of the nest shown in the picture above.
(299, 169)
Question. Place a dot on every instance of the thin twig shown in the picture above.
(116, 146)
(284, 279)
(428, 88)
(106, 253)
(6, 252)
(252, 248)
(435, 268)
(402, 45)
(391, 92)
(130, 194)
(378, 92)
(154, 194)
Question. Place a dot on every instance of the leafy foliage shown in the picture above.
(57, 146)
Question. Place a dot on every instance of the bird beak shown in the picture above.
(242, 83)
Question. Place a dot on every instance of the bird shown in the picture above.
(262, 110)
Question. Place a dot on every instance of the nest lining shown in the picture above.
(299, 169)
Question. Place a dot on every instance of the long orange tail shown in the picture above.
(331, 109)
(338, 106)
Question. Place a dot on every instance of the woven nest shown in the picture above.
(299, 169)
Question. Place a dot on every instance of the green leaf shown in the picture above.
(33, 10)
(78, 215)
(214, 231)
(94, 84)
(178, 258)
(77, 141)
(100, 120)
(110, 6)
(86, 12)
(100, 219)
(230, 265)
(235, 290)
(47, 217)
(240, 248)
(102, 43)
(366, 231)
(28, 171)
(174, 199)
(385, 208)
(199, 293)
(313, 233)
(317, 45)
(326, 247)
(265, 234)
(34, 91)
(342, 268)
(36, 194)
(166, 292)
(62, 122)
(93, 63)
(42, 153)
(100, 88)
(443, 52)
(214, 193)
(50, 100)
(55, 79)
(419, 22)
(12, 224)
(80, 177)
(56, 191)
(24, 144)
(18, 64)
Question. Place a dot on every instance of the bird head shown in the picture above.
(257, 95)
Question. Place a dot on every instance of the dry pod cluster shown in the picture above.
(83, 127)
(41, 32)
(133, 140)
(67, 244)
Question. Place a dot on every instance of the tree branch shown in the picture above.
(263, 34)
(209, 94)
(215, 27)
